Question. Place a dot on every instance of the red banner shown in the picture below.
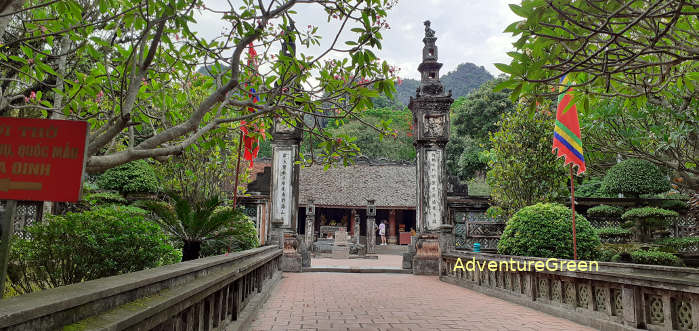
(41, 160)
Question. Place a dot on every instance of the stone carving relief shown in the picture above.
(283, 170)
(434, 126)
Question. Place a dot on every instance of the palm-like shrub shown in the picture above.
(194, 222)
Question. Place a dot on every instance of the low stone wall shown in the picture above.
(195, 295)
(615, 297)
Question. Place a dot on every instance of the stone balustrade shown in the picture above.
(202, 294)
(617, 296)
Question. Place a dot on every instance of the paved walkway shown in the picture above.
(344, 301)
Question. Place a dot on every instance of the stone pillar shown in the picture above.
(284, 194)
(310, 226)
(356, 229)
(370, 227)
(392, 236)
(430, 108)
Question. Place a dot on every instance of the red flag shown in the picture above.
(251, 144)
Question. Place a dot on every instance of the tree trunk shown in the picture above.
(190, 251)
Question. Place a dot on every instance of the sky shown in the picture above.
(467, 31)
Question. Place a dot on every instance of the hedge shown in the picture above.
(634, 177)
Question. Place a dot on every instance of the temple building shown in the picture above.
(339, 193)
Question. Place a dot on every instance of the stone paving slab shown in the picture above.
(370, 269)
(337, 301)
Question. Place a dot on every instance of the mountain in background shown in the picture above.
(462, 81)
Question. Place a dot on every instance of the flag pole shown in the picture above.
(572, 206)
(235, 187)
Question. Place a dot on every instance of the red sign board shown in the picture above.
(41, 160)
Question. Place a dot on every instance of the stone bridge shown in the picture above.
(248, 290)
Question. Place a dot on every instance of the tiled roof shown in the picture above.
(391, 185)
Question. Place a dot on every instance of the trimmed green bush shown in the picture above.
(545, 230)
(104, 198)
(133, 177)
(676, 205)
(76, 247)
(608, 251)
(634, 177)
(678, 244)
(645, 220)
(656, 258)
(651, 214)
(602, 211)
(612, 232)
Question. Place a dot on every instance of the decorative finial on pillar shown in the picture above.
(429, 68)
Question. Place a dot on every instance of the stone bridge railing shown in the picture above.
(615, 297)
(201, 294)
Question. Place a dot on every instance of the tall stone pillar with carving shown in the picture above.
(285, 193)
(310, 223)
(430, 108)
(370, 227)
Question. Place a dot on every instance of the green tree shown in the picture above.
(392, 140)
(522, 169)
(666, 138)
(130, 66)
(634, 72)
(194, 223)
(473, 118)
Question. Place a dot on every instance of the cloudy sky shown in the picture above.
(467, 31)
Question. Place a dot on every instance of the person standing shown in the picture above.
(382, 232)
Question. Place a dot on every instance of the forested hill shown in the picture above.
(461, 81)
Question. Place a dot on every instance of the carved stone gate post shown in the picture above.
(430, 109)
(285, 194)
(310, 231)
(370, 227)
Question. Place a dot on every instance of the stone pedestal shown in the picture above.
(427, 255)
(341, 247)
(292, 260)
(408, 257)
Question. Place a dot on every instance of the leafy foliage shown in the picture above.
(604, 211)
(613, 232)
(609, 251)
(244, 237)
(598, 45)
(635, 177)
(637, 99)
(676, 205)
(674, 245)
(590, 188)
(133, 177)
(523, 171)
(76, 247)
(473, 119)
(195, 222)
(645, 220)
(663, 136)
(393, 143)
(544, 230)
(130, 68)
(104, 198)
(648, 213)
(655, 258)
